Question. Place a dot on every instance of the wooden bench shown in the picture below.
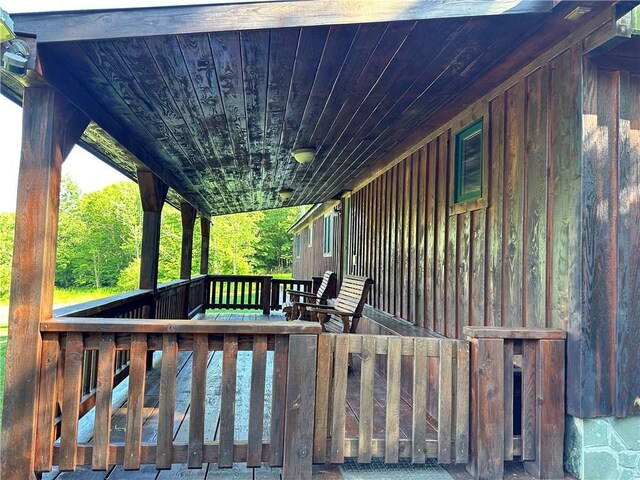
(293, 310)
(348, 305)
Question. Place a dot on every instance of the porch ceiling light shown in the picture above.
(285, 193)
(6, 27)
(303, 155)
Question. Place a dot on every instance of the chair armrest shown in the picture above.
(301, 294)
(305, 304)
(330, 311)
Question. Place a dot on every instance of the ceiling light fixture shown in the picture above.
(577, 12)
(285, 193)
(303, 155)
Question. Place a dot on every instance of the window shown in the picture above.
(310, 236)
(468, 164)
(296, 245)
(327, 239)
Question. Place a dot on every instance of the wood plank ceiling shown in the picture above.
(221, 112)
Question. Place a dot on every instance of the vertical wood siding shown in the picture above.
(312, 262)
(557, 244)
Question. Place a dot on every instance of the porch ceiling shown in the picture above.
(217, 114)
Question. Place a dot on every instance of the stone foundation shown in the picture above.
(603, 448)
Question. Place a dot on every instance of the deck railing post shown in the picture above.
(300, 405)
(50, 128)
(266, 295)
(534, 356)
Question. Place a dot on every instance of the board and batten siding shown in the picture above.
(557, 244)
(312, 262)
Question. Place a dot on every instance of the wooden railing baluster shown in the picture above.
(167, 401)
(278, 398)
(72, 388)
(419, 406)
(340, 370)
(367, 368)
(228, 400)
(47, 396)
(135, 401)
(198, 391)
(256, 402)
(392, 425)
(104, 393)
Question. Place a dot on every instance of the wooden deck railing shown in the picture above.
(444, 437)
(279, 289)
(168, 303)
(251, 292)
(517, 400)
(289, 442)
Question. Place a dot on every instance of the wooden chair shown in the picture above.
(294, 311)
(348, 305)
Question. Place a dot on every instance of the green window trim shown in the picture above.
(465, 192)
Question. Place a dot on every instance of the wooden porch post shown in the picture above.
(205, 228)
(153, 193)
(50, 128)
(188, 214)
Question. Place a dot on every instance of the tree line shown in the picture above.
(100, 234)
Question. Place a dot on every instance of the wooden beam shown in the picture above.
(142, 22)
(153, 193)
(49, 126)
(188, 214)
(205, 228)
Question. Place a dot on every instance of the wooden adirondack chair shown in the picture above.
(348, 305)
(294, 311)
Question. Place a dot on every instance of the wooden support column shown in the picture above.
(205, 228)
(50, 128)
(153, 193)
(188, 214)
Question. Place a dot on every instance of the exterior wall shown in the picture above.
(557, 243)
(507, 264)
(312, 262)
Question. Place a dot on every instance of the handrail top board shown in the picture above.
(127, 325)
(515, 333)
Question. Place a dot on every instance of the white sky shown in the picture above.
(86, 170)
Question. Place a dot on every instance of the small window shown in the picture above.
(310, 236)
(468, 164)
(327, 239)
(296, 245)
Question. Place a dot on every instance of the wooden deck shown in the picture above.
(212, 415)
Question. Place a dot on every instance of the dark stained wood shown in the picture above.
(44, 137)
(228, 400)
(528, 400)
(205, 230)
(153, 193)
(278, 398)
(167, 401)
(256, 408)
(135, 402)
(392, 426)
(48, 394)
(628, 273)
(535, 213)
(301, 381)
(188, 215)
(199, 19)
(102, 428)
(198, 399)
(70, 401)
(495, 212)
(513, 207)
(419, 397)
(549, 410)
(441, 234)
